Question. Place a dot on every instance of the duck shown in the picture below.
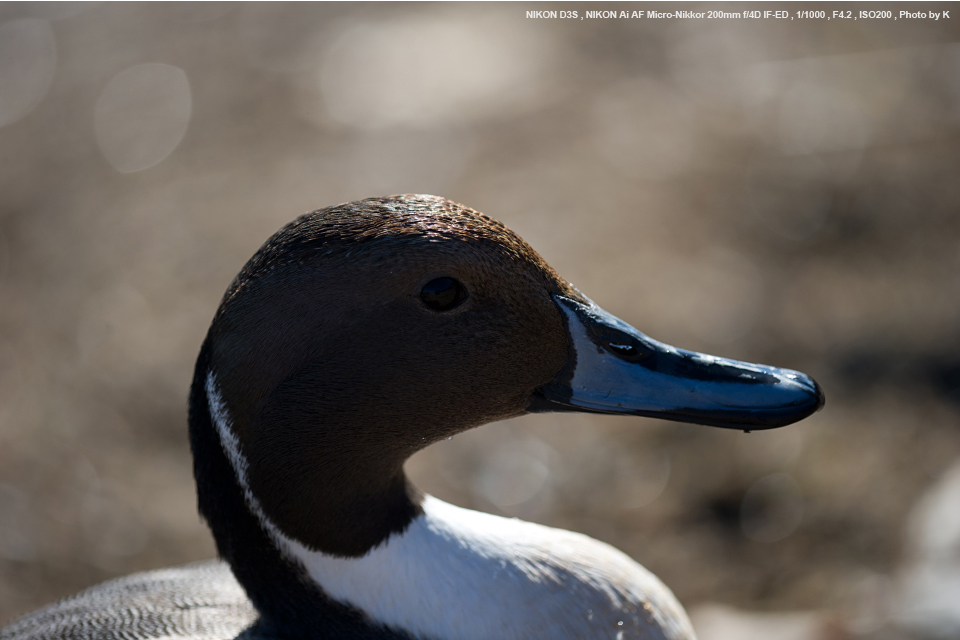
(357, 335)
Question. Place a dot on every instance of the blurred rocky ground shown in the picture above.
(783, 191)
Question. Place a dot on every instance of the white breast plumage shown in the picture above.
(460, 574)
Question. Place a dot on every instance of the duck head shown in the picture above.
(360, 334)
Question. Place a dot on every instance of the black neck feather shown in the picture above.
(290, 604)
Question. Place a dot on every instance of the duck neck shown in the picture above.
(253, 544)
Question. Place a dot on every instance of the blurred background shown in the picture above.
(770, 190)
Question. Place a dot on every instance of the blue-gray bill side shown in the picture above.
(613, 368)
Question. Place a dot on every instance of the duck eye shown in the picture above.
(443, 294)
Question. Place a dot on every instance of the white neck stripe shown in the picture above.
(231, 447)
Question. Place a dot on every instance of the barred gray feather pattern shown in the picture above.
(200, 601)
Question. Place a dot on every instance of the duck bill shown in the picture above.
(613, 368)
